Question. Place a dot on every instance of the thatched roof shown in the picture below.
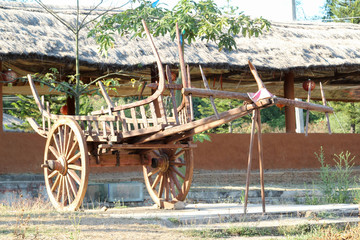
(316, 50)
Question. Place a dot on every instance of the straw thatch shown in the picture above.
(30, 34)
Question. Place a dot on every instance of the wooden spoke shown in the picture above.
(72, 185)
(54, 152)
(180, 153)
(156, 170)
(69, 198)
(172, 187)
(157, 180)
(63, 199)
(57, 143)
(75, 167)
(56, 183)
(66, 142)
(61, 139)
(69, 140)
(74, 158)
(178, 164)
(169, 184)
(58, 196)
(175, 170)
(51, 175)
(176, 181)
(161, 187)
(72, 149)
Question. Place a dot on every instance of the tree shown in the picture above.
(346, 11)
(201, 19)
(81, 22)
(343, 10)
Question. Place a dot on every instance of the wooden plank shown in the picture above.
(190, 96)
(109, 160)
(143, 131)
(97, 127)
(208, 122)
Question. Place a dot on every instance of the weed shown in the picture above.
(335, 182)
(75, 220)
(120, 204)
(174, 220)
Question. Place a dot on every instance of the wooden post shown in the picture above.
(254, 117)
(261, 157)
(290, 119)
(324, 103)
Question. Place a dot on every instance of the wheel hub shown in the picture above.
(59, 165)
(163, 162)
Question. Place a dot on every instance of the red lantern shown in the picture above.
(307, 84)
(64, 110)
(279, 105)
(9, 76)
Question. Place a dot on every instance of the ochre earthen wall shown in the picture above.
(23, 152)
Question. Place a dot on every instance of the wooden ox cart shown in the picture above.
(142, 133)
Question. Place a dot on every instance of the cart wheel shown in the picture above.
(66, 164)
(169, 177)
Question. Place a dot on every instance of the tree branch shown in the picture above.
(66, 24)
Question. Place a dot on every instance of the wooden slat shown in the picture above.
(97, 127)
(133, 115)
(143, 116)
(162, 109)
(172, 94)
(190, 96)
(153, 113)
(123, 122)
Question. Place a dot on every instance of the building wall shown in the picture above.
(23, 152)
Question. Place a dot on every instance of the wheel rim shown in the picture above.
(169, 178)
(66, 176)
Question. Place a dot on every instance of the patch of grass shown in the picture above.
(233, 231)
(174, 220)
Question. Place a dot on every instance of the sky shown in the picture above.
(275, 10)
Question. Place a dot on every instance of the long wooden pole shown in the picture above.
(261, 157)
(254, 116)
(199, 92)
(324, 103)
(308, 111)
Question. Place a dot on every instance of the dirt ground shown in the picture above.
(42, 222)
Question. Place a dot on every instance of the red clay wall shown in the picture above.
(23, 152)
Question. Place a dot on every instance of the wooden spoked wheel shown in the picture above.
(169, 178)
(66, 165)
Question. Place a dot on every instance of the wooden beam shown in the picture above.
(1, 102)
(290, 121)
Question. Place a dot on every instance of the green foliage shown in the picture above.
(335, 182)
(201, 137)
(344, 10)
(201, 19)
(26, 107)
